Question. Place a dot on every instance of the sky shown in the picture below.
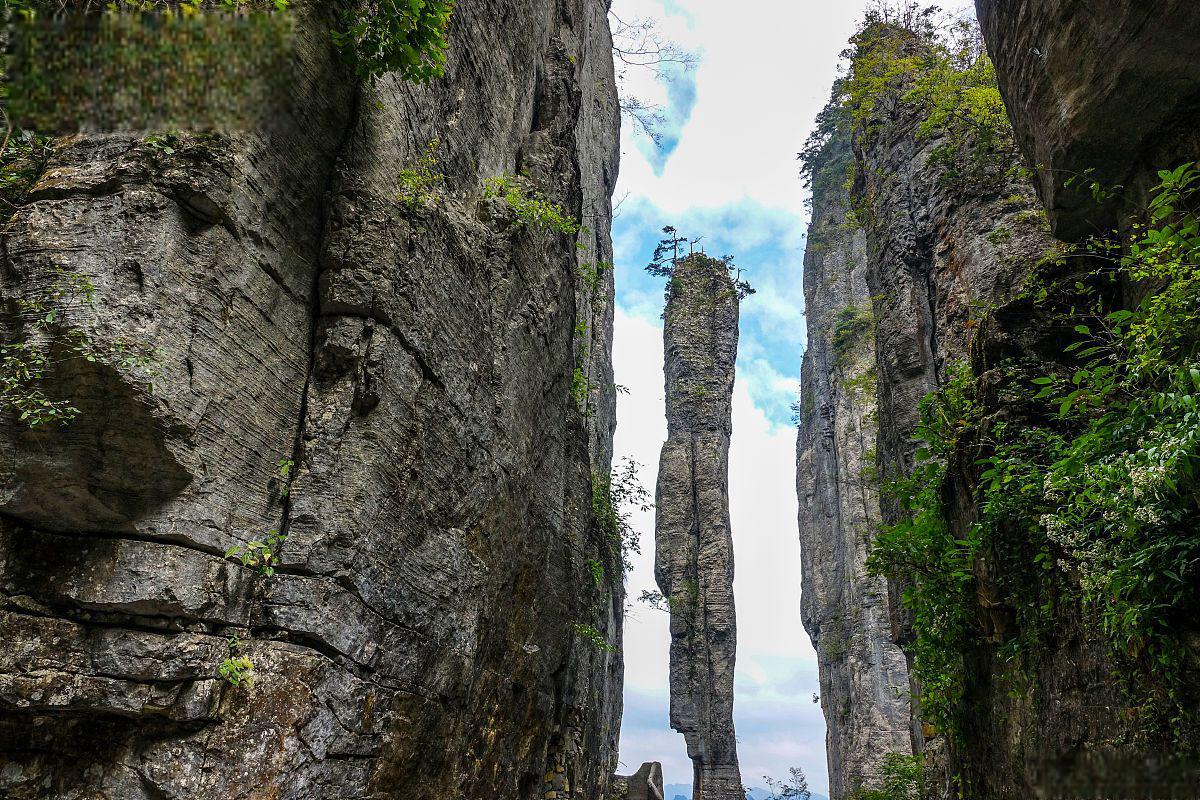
(727, 171)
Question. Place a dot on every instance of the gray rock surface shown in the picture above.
(1111, 90)
(944, 263)
(895, 297)
(414, 362)
(940, 255)
(863, 674)
(693, 562)
(645, 784)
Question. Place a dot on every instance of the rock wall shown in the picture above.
(895, 296)
(863, 674)
(945, 259)
(645, 784)
(1114, 93)
(940, 254)
(414, 361)
(693, 561)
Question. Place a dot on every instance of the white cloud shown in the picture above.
(765, 72)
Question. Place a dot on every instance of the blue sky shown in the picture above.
(727, 171)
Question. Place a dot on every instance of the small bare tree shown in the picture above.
(638, 44)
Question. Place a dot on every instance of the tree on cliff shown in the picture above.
(669, 253)
(794, 786)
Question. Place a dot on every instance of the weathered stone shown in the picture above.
(645, 784)
(936, 252)
(863, 674)
(1109, 93)
(415, 363)
(693, 561)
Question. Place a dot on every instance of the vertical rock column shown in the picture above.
(693, 541)
(864, 678)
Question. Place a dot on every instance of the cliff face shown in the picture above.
(1113, 94)
(937, 257)
(413, 362)
(1039, 695)
(864, 678)
(693, 561)
(895, 294)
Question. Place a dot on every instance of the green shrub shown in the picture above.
(529, 206)
(48, 342)
(262, 557)
(237, 669)
(407, 37)
(913, 65)
(420, 184)
(901, 777)
(593, 637)
(934, 565)
(851, 326)
(614, 499)
(1091, 493)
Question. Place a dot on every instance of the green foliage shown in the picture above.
(48, 342)
(404, 37)
(827, 157)
(237, 669)
(1100, 475)
(262, 557)
(851, 326)
(407, 37)
(529, 206)
(593, 637)
(283, 471)
(420, 184)
(907, 62)
(934, 565)
(902, 777)
(597, 570)
(615, 498)
(1119, 497)
(22, 161)
(669, 254)
(117, 65)
(582, 390)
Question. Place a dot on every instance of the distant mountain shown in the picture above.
(683, 791)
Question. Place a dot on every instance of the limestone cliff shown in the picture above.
(693, 542)
(1113, 94)
(895, 294)
(968, 297)
(863, 675)
(385, 380)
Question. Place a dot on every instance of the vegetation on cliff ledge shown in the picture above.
(909, 61)
(1095, 467)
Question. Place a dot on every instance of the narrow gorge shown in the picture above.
(315, 318)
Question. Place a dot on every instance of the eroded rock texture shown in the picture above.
(893, 311)
(1110, 90)
(414, 360)
(863, 674)
(946, 259)
(645, 784)
(940, 254)
(693, 561)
